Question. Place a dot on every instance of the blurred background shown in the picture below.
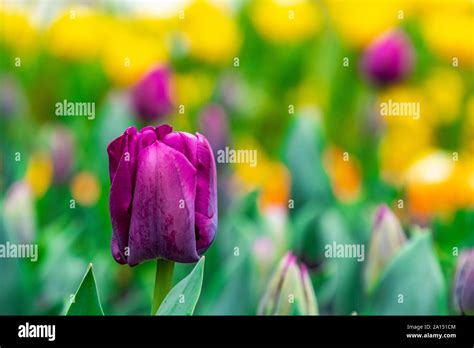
(302, 82)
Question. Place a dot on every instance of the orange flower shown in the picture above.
(271, 177)
(437, 184)
(344, 174)
(85, 188)
(276, 187)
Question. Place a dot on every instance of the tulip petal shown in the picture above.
(115, 150)
(146, 138)
(206, 195)
(205, 232)
(467, 299)
(116, 251)
(121, 190)
(163, 130)
(121, 193)
(183, 142)
(162, 223)
(310, 303)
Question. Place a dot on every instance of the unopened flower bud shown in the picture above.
(290, 291)
(388, 59)
(464, 283)
(62, 154)
(152, 95)
(386, 240)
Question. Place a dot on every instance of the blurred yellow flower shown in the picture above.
(17, 31)
(85, 188)
(361, 21)
(405, 136)
(159, 27)
(445, 90)
(449, 33)
(398, 150)
(127, 55)
(271, 177)
(192, 89)
(436, 183)
(306, 95)
(406, 94)
(462, 182)
(251, 176)
(285, 20)
(439, 6)
(78, 33)
(39, 172)
(344, 175)
(210, 32)
(468, 129)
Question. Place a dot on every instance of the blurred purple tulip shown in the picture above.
(263, 249)
(464, 283)
(10, 97)
(214, 125)
(389, 59)
(62, 153)
(163, 195)
(19, 213)
(152, 95)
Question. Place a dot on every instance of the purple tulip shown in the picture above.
(19, 213)
(62, 153)
(388, 59)
(152, 96)
(163, 195)
(464, 283)
(214, 125)
(8, 97)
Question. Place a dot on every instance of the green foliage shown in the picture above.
(303, 156)
(413, 283)
(182, 298)
(86, 300)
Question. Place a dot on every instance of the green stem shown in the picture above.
(163, 282)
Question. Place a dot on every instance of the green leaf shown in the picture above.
(86, 300)
(345, 273)
(303, 224)
(412, 284)
(302, 155)
(182, 299)
(248, 207)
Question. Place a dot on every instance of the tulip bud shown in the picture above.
(19, 213)
(62, 154)
(264, 251)
(8, 97)
(290, 291)
(464, 283)
(310, 297)
(151, 97)
(163, 195)
(386, 240)
(214, 126)
(389, 59)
